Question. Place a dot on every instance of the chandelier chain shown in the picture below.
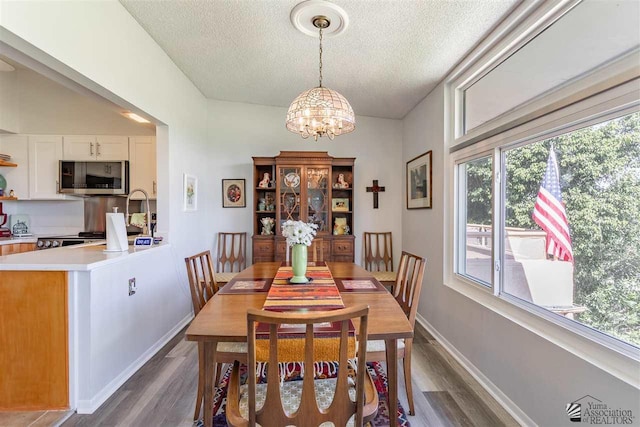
(320, 57)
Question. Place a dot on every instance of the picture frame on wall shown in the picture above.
(233, 193)
(190, 203)
(419, 187)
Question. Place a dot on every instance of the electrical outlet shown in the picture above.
(132, 286)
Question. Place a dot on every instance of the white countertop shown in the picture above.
(12, 240)
(70, 258)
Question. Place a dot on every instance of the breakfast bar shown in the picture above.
(77, 322)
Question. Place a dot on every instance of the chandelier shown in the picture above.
(320, 111)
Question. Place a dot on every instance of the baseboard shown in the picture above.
(90, 406)
(518, 414)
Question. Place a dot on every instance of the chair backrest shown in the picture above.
(202, 280)
(378, 251)
(232, 252)
(342, 407)
(315, 252)
(409, 284)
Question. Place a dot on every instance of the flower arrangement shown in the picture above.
(299, 232)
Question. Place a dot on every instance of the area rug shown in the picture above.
(325, 371)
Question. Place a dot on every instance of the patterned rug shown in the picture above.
(327, 371)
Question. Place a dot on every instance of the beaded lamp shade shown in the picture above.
(320, 111)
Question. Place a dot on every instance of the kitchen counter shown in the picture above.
(70, 258)
(12, 240)
(97, 318)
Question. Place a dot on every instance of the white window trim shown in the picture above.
(525, 23)
(600, 95)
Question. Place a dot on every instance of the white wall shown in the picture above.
(538, 376)
(239, 131)
(8, 116)
(46, 107)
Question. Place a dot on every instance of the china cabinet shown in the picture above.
(311, 186)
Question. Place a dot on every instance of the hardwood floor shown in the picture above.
(162, 393)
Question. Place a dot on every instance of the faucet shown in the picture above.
(147, 226)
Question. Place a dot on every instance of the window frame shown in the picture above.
(460, 238)
(609, 92)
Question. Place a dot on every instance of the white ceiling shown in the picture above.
(389, 58)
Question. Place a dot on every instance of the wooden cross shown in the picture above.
(375, 190)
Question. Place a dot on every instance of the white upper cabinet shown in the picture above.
(90, 147)
(142, 166)
(45, 153)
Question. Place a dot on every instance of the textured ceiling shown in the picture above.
(389, 58)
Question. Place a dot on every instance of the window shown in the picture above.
(568, 220)
(474, 230)
(543, 80)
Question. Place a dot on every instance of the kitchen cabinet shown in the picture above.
(90, 147)
(16, 248)
(142, 166)
(45, 152)
(310, 186)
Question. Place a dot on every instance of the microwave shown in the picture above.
(94, 177)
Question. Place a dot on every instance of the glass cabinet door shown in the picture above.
(289, 193)
(317, 197)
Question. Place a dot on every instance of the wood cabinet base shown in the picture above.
(33, 340)
(273, 248)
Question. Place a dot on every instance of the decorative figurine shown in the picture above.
(340, 226)
(342, 183)
(266, 181)
(268, 198)
(267, 226)
(12, 193)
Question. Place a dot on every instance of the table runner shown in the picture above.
(320, 294)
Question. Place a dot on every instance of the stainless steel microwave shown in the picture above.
(91, 177)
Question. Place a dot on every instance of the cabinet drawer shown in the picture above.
(342, 247)
(16, 248)
(263, 248)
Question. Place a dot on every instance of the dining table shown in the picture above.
(224, 319)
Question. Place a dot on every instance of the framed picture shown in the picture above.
(190, 203)
(339, 205)
(419, 182)
(233, 194)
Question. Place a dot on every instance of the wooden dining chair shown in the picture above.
(315, 252)
(309, 402)
(407, 293)
(203, 285)
(378, 257)
(232, 256)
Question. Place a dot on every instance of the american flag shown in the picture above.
(549, 212)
